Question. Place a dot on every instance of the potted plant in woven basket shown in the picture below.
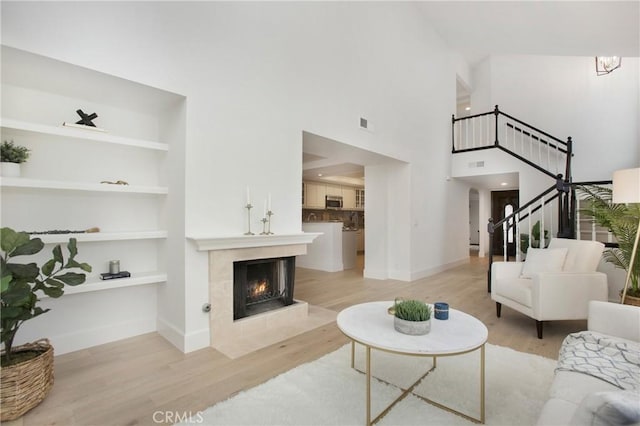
(411, 317)
(622, 221)
(26, 371)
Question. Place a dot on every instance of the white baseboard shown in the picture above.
(376, 274)
(401, 275)
(185, 342)
(437, 269)
(197, 340)
(70, 342)
(171, 333)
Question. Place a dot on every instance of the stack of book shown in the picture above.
(110, 276)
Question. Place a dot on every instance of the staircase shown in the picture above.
(553, 211)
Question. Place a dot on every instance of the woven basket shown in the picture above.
(632, 300)
(25, 385)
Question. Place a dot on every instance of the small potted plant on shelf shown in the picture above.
(622, 221)
(26, 371)
(411, 317)
(11, 156)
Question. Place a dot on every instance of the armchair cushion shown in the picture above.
(516, 289)
(582, 255)
(543, 260)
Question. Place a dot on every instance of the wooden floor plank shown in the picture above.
(125, 382)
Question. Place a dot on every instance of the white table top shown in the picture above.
(370, 324)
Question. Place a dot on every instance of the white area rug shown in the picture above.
(328, 392)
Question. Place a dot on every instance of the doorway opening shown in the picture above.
(474, 222)
(503, 203)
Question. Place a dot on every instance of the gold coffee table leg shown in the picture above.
(368, 368)
(482, 384)
(409, 390)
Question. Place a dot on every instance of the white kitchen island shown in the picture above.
(330, 251)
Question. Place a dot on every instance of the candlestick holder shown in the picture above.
(264, 221)
(269, 214)
(248, 207)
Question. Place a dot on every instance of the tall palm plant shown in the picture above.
(622, 221)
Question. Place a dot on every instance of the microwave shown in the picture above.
(333, 202)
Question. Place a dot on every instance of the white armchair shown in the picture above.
(555, 283)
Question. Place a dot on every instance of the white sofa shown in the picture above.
(577, 398)
(555, 283)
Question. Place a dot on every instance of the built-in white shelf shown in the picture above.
(101, 236)
(77, 133)
(209, 242)
(96, 284)
(20, 182)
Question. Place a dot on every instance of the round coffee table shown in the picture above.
(370, 325)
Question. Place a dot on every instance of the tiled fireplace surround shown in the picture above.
(237, 338)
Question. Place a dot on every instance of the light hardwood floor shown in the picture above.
(126, 382)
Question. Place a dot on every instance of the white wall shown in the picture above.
(255, 76)
(564, 97)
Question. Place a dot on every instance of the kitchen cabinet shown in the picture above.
(360, 240)
(348, 198)
(335, 190)
(314, 195)
(360, 199)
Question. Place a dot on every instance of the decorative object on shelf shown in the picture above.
(118, 182)
(111, 276)
(114, 266)
(248, 206)
(65, 231)
(614, 210)
(606, 64)
(86, 119)
(411, 317)
(266, 218)
(441, 311)
(269, 214)
(85, 122)
(11, 156)
(27, 371)
(264, 226)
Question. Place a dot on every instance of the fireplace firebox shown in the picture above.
(261, 285)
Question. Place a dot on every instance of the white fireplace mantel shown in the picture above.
(209, 243)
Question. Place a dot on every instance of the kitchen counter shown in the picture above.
(349, 248)
(331, 251)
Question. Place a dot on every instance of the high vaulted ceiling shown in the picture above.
(477, 29)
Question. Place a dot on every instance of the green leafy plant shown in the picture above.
(412, 310)
(20, 282)
(12, 153)
(622, 221)
(535, 233)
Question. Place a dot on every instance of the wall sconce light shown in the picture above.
(606, 64)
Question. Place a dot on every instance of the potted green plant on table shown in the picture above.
(26, 371)
(411, 317)
(622, 221)
(11, 156)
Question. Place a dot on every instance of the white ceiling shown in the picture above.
(477, 29)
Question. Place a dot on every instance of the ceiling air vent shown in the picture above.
(364, 123)
(475, 164)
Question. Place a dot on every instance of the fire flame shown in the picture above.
(260, 288)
